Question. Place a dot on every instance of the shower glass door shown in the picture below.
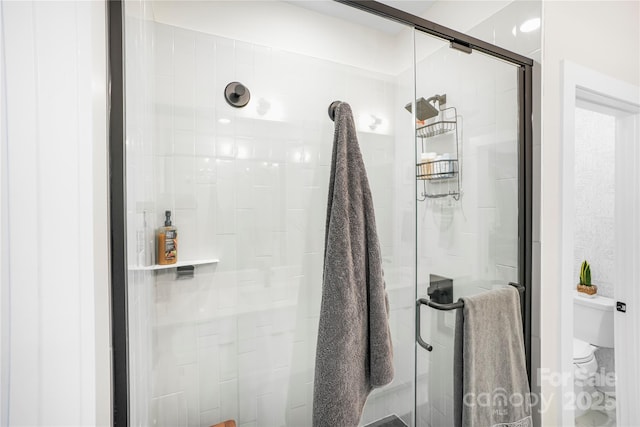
(468, 201)
(234, 337)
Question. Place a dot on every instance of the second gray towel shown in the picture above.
(491, 387)
(354, 352)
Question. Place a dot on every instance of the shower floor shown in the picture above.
(390, 421)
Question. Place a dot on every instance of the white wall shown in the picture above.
(604, 36)
(594, 174)
(4, 245)
(56, 275)
(284, 29)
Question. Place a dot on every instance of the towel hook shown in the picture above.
(237, 95)
(332, 109)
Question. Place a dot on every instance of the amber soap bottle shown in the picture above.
(167, 242)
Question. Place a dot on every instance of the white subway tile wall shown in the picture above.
(249, 186)
(141, 186)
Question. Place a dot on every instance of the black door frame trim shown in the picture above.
(437, 30)
(117, 178)
(118, 215)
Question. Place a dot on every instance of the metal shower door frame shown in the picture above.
(117, 178)
(468, 44)
(525, 132)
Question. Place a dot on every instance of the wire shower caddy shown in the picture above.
(440, 178)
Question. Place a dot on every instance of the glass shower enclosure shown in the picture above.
(467, 209)
(229, 331)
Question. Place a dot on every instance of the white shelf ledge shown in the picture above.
(177, 264)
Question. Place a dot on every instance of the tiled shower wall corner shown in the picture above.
(249, 186)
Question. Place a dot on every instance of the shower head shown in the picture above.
(425, 108)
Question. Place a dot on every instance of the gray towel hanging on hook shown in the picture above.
(354, 353)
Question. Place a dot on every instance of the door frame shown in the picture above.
(468, 43)
(117, 178)
(580, 82)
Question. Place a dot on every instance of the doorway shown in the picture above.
(600, 221)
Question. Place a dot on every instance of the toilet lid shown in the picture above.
(582, 351)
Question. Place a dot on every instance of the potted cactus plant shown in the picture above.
(585, 284)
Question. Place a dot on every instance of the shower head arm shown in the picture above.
(441, 99)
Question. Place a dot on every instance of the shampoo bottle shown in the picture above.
(167, 242)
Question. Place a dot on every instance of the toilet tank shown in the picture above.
(593, 320)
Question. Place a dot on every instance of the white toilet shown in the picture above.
(593, 328)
